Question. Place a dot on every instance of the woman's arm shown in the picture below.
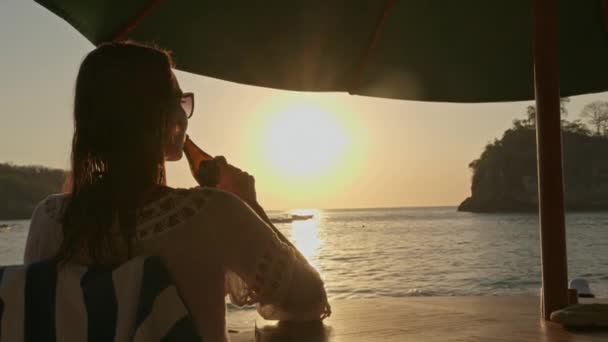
(257, 208)
(274, 273)
(268, 268)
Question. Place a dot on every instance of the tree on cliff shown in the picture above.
(531, 111)
(596, 114)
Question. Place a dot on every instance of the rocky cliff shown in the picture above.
(504, 176)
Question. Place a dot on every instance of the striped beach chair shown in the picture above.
(136, 302)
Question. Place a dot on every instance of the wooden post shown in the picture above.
(549, 156)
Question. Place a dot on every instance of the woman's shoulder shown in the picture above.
(199, 205)
(198, 197)
(51, 206)
(44, 234)
(176, 198)
(176, 207)
(184, 201)
(218, 203)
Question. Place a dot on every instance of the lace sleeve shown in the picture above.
(265, 271)
(273, 275)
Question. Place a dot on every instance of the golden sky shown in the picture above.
(305, 150)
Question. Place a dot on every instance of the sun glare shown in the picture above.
(306, 149)
(304, 141)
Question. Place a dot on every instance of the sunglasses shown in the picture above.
(187, 104)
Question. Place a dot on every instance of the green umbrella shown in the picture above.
(427, 50)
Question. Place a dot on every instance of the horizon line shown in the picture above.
(374, 208)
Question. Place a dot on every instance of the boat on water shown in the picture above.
(5, 228)
(301, 217)
(291, 218)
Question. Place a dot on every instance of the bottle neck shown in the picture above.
(192, 150)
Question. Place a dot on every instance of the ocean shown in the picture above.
(399, 252)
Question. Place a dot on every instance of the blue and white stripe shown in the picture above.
(136, 301)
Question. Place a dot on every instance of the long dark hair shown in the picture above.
(121, 105)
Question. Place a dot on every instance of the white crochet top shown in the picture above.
(186, 229)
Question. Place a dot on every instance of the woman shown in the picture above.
(130, 115)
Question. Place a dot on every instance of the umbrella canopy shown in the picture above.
(426, 50)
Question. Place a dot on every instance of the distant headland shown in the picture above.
(22, 187)
(504, 177)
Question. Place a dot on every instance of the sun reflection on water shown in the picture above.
(305, 234)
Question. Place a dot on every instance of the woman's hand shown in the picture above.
(230, 179)
(218, 173)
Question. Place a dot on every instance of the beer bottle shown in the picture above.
(202, 167)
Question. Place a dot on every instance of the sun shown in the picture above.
(304, 140)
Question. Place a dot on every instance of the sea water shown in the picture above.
(400, 252)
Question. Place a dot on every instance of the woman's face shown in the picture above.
(178, 124)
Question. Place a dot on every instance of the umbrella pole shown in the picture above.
(549, 158)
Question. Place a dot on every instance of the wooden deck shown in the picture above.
(419, 319)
